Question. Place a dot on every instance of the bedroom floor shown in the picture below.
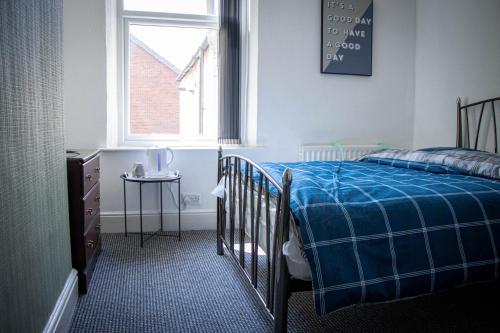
(171, 286)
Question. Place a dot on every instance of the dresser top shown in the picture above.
(81, 154)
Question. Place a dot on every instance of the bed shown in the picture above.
(395, 224)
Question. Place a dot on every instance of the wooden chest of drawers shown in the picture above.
(84, 208)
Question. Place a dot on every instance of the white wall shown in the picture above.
(85, 73)
(199, 171)
(458, 53)
(296, 104)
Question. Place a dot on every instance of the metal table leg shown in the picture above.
(140, 211)
(161, 206)
(179, 206)
(125, 206)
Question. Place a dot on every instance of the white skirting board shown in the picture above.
(113, 222)
(60, 318)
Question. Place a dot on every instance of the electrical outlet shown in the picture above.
(191, 199)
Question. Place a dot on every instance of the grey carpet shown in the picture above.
(171, 286)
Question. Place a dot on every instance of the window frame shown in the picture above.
(125, 18)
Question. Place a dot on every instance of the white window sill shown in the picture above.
(180, 148)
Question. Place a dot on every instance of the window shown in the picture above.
(170, 70)
(197, 7)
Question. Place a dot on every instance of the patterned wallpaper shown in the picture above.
(35, 255)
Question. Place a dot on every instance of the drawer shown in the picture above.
(91, 205)
(91, 173)
(89, 270)
(91, 238)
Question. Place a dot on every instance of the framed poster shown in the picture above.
(346, 37)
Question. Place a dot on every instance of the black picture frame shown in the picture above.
(353, 61)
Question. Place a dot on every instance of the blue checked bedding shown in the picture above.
(396, 224)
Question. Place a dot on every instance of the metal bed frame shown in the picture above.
(466, 115)
(239, 174)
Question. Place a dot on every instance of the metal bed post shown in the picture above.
(220, 208)
(459, 123)
(495, 125)
(282, 291)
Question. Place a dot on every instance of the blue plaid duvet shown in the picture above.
(376, 232)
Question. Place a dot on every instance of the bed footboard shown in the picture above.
(247, 187)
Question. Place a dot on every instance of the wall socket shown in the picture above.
(191, 199)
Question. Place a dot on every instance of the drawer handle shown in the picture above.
(90, 178)
(90, 211)
(97, 199)
(91, 244)
(97, 170)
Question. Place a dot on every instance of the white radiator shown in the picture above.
(334, 152)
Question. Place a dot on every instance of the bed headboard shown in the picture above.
(478, 125)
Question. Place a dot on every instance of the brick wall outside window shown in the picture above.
(154, 94)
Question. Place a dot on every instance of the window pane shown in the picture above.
(199, 7)
(173, 81)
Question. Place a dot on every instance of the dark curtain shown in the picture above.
(229, 72)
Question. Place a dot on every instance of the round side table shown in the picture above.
(143, 181)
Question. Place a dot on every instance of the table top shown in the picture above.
(158, 179)
(82, 155)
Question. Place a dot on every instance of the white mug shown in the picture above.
(138, 170)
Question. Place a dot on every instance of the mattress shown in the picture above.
(298, 265)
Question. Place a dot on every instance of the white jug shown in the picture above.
(159, 160)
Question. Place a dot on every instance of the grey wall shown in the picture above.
(34, 235)
(458, 54)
